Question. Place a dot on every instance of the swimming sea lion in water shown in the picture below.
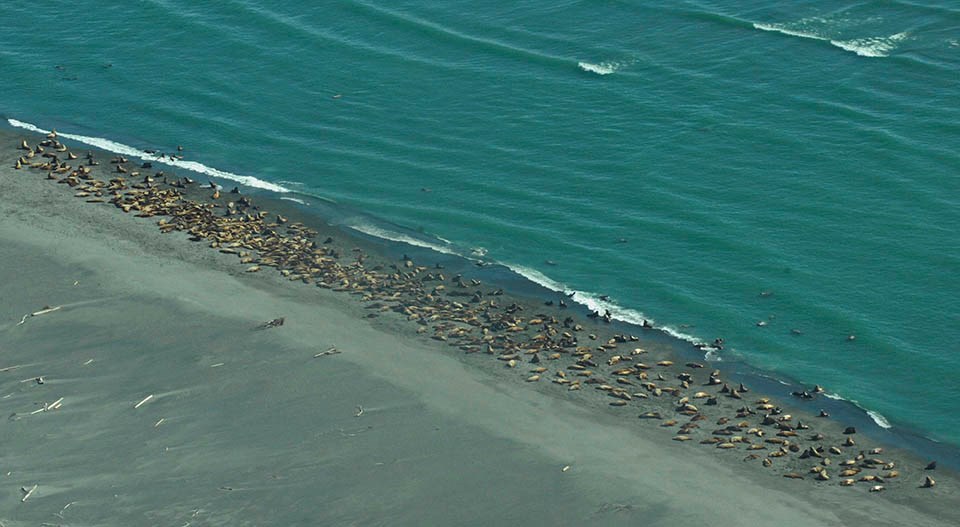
(928, 482)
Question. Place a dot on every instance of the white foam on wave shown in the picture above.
(871, 47)
(712, 356)
(864, 47)
(126, 150)
(879, 419)
(595, 303)
(295, 200)
(386, 234)
(786, 30)
(876, 416)
(602, 68)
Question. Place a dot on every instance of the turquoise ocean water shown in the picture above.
(707, 164)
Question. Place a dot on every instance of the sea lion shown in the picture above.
(928, 482)
(931, 466)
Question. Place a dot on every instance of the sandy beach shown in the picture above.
(150, 397)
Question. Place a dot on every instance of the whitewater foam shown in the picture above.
(864, 47)
(594, 303)
(876, 416)
(781, 28)
(386, 234)
(871, 47)
(602, 68)
(126, 150)
(879, 419)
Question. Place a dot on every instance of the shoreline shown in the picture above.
(580, 402)
(322, 212)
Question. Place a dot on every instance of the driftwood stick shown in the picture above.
(332, 351)
(45, 310)
(28, 493)
(143, 402)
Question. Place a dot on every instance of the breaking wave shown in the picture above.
(126, 150)
(602, 68)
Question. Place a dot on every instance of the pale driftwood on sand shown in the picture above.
(332, 351)
(143, 402)
(28, 493)
(43, 311)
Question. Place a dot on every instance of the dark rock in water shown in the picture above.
(850, 430)
(931, 466)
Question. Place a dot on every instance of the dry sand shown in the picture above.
(246, 427)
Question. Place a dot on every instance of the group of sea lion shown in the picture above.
(462, 312)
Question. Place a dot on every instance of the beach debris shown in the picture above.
(64, 509)
(27, 493)
(143, 401)
(275, 323)
(47, 407)
(332, 351)
(359, 411)
(44, 311)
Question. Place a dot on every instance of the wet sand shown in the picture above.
(247, 427)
